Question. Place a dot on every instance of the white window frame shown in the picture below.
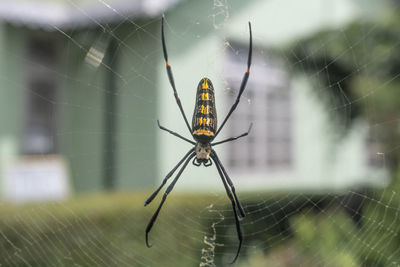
(269, 81)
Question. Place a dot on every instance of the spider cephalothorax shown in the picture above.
(203, 152)
(203, 130)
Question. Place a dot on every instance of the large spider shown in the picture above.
(203, 131)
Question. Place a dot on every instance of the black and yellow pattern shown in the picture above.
(204, 123)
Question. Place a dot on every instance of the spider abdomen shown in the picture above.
(204, 122)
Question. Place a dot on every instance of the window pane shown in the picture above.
(266, 102)
(41, 113)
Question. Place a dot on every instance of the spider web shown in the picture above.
(312, 225)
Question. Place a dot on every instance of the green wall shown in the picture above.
(81, 128)
(138, 105)
(12, 86)
(83, 110)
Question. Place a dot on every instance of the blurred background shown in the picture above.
(83, 82)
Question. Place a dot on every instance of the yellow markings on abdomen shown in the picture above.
(205, 109)
(204, 96)
(204, 85)
(203, 121)
(203, 132)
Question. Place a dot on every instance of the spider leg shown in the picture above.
(234, 138)
(169, 189)
(228, 192)
(150, 199)
(174, 133)
(216, 159)
(243, 85)
(171, 77)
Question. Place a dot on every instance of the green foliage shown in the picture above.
(108, 230)
(329, 237)
(326, 238)
(378, 241)
(319, 240)
(103, 230)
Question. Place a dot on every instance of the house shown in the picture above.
(83, 84)
(60, 113)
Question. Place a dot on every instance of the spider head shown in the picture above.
(203, 152)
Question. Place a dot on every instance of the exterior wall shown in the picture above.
(81, 117)
(11, 96)
(84, 93)
(138, 107)
(81, 106)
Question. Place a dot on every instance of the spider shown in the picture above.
(204, 130)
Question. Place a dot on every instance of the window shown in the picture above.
(268, 97)
(39, 135)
